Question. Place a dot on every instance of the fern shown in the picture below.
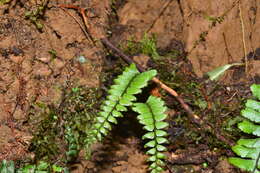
(152, 116)
(249, 149)
(120, 95)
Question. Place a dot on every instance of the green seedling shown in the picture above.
(216, 73)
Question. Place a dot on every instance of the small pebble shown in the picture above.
(81, 59)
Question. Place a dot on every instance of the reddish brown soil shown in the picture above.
(29, 74)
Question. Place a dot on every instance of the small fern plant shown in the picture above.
(122, 95)
(249, 149)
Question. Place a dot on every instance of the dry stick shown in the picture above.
(243, 37)
(165, 6)
(194, 118)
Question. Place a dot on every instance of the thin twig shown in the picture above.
(243, 37)
(82, 13)
(165, 6)
(80, 25)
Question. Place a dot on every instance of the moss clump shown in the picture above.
(61, 132)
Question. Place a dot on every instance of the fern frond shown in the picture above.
(151, 115)
(121, 94)
(249, 149)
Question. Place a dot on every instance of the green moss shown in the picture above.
(61, 131)
(4, 1)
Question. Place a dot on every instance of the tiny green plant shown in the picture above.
(151, 114)
(249, 149)
(36, 14)
(7, 167)
(2, 2)
(148, 46)
(41, 167)
(73, 146)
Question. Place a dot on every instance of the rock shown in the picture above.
(18, 114)
(41, 70)
(16, 59)
(5, 135)
(224, 166)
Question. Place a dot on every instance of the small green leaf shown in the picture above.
(151, 151)
(110, 103)
(125, 101)
(253, 104)
(112, 119)
(7, 167)
(160, 133)
(150, 144)
(99, 136)
(217, 72)
(113, 97)
(149, 128)
(251, 143)
(161, 125)
(244, 164)
(246, 152)
(250, 128)
(56, 168)
(160, 156)
(107, 126)
(153, 165)
(101, 119)
(251, 114)
(42, 166)
(160, 117)
(149, 135)
(121, 108)
(106, 108)
(161, 140)
(147, 121)
(117, 114)
(152, 159)
(161, 148)
(159, 169)
(255, 88)
(103, 130)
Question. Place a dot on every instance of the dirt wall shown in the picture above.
(211, 31)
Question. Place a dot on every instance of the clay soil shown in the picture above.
(40, 65)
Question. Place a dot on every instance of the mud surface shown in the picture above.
(40, 66)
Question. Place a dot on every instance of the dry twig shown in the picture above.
(243, 37)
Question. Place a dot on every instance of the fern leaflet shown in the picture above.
(152, 116)
(249, 149)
